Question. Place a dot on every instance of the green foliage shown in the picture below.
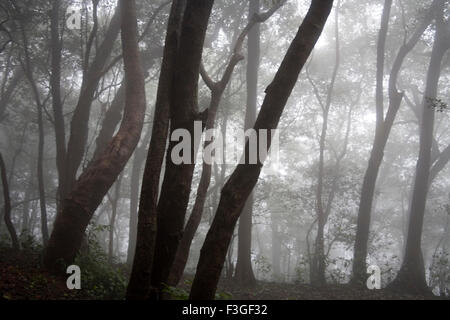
(440, 273)
(302, 270)
(175, 293)
(223, 296)
(339, 269)
(99, 279)
(29, 243)
(437, 104)
(262, 265)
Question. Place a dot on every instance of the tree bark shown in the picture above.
(411, 277)
(177, 181)
(112, 223)
(55, 87)
(89, 190)
(244, 271)
(243, 179)
(318, 263)
(7, 207)
(139, 286)
(79, 126)
(6, 95)
(383, 128)
(135, 185)
(217, 90)
(28, 69)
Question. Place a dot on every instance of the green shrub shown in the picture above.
(99, 278)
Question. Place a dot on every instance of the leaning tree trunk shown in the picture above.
(139, 286)
(79, 206)
(7, 208)
(243, 179)
(184, 112)
(383, 128)
(411, 277)
(79, 126)
(217, 90)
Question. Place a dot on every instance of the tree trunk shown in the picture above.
(78, 207)
(242, 181)
(41, 182)
(195, 218)
(244, 271)
(383, 128)
(217, 90)
(26, 205)
(79, 126)
(55, 84)
(41, 140)
(114, 113)
(135, 184)
(411, 277)
(139, 286)
(276, 248)
(7, 208)
(7, 93)
(177, 181)
(318, 263)
(112, 222)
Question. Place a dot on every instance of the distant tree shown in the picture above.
(411, 277)
(384, 123)
(7, 206)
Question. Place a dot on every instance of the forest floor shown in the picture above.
(295, 291)
(21, 277)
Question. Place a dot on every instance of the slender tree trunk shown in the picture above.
(244, 271)
(26, 206)
(242, 181)
(7, 207)
(139, 286)
(55, 84)
(134, 199)
(182, 254)
(411, 277)
(112, 222)
(217, 90)
(79, 206)
(135, 184)
(115, 110)
(276, 247)
(376, 157)
(7, 93)
(40, 162)
(41, 182)
(177, 181)
(383, 128)
(318, 263)
(79, 127)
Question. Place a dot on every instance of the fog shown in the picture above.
(357, 101)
